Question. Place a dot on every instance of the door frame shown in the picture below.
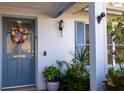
(35, 46)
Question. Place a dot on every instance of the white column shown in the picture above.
(98, 45)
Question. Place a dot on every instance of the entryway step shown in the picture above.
(22, 89)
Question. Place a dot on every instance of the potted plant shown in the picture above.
(52, 75)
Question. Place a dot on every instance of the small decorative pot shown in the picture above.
(52, 86)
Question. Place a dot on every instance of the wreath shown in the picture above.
(19, 34)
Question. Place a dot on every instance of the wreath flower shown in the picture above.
(19, 39)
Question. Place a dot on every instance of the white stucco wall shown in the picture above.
(50, 40)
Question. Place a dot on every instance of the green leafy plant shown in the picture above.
(115, 77)
(76, 76)
(51, 73)
(115, 28)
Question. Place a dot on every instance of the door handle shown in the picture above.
(19, 56)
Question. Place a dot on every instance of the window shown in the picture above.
(82, 36)
(112, 48)
(82, 41)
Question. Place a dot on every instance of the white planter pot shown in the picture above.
(52, 86)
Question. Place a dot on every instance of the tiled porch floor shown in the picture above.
(22, 89)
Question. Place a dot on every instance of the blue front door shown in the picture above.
(18, 58)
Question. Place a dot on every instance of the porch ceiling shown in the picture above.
(83, 7)
(37, 7)
(49, 7)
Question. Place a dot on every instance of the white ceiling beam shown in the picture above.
(61, 8)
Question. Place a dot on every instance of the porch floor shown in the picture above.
(22, 89)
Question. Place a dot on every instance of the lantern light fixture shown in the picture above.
(61, 26)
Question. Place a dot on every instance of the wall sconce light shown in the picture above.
(99, 18)
(61, 26)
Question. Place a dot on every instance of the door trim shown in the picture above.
(1, 50)
(35, 47)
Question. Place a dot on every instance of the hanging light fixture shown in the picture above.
(61, 26)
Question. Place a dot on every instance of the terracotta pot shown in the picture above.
(52, 86)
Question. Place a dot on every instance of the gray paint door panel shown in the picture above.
(18, 59)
